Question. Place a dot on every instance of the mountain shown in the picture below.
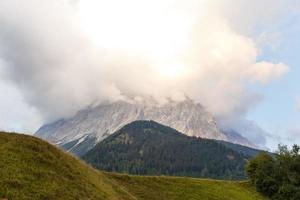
(149, 148)
(97, 122)
(234, 137)
(31, 169)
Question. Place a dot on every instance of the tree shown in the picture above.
(277, 176)
(261, 171)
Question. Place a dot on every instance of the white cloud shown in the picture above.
(263, 72)
(63, 58)
(16, 115)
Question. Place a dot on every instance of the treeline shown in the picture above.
(277, 176)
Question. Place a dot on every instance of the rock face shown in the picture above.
(100, 121)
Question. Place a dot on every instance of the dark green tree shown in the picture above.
(278, 175)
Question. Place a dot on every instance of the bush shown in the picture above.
(277, 176)
(266, 185)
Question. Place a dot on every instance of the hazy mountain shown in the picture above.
(98, 122)
(149, 148)
(234, 137)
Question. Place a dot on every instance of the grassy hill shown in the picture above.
(33, 169)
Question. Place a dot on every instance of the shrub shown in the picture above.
(277, 176)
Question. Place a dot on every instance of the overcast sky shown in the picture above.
(238, 58)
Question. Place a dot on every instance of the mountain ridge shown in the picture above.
(102, 120)
(149, 148)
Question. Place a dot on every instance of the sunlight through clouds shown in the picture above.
(65, 56)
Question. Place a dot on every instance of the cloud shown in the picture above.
(63, 57)
(293, 136)
(263, 72)
(16, 115)
(298, 104)
(290, 137)
(267, 14)
(269, 40)
(247, 128)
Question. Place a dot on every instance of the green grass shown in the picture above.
(176, 188)
(33, 169)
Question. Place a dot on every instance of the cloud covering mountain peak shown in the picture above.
(60, 56)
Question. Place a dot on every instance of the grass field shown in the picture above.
(33, 169)
(157, 188)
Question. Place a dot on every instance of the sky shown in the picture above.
(238, 58)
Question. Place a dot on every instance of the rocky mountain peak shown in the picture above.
(104, 119)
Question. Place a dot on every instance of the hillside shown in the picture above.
(81, 132)
(31, 169)
(149, 148)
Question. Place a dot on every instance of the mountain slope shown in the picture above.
(147, 147)
(80, 146)
(100, 121)
(31, 169)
